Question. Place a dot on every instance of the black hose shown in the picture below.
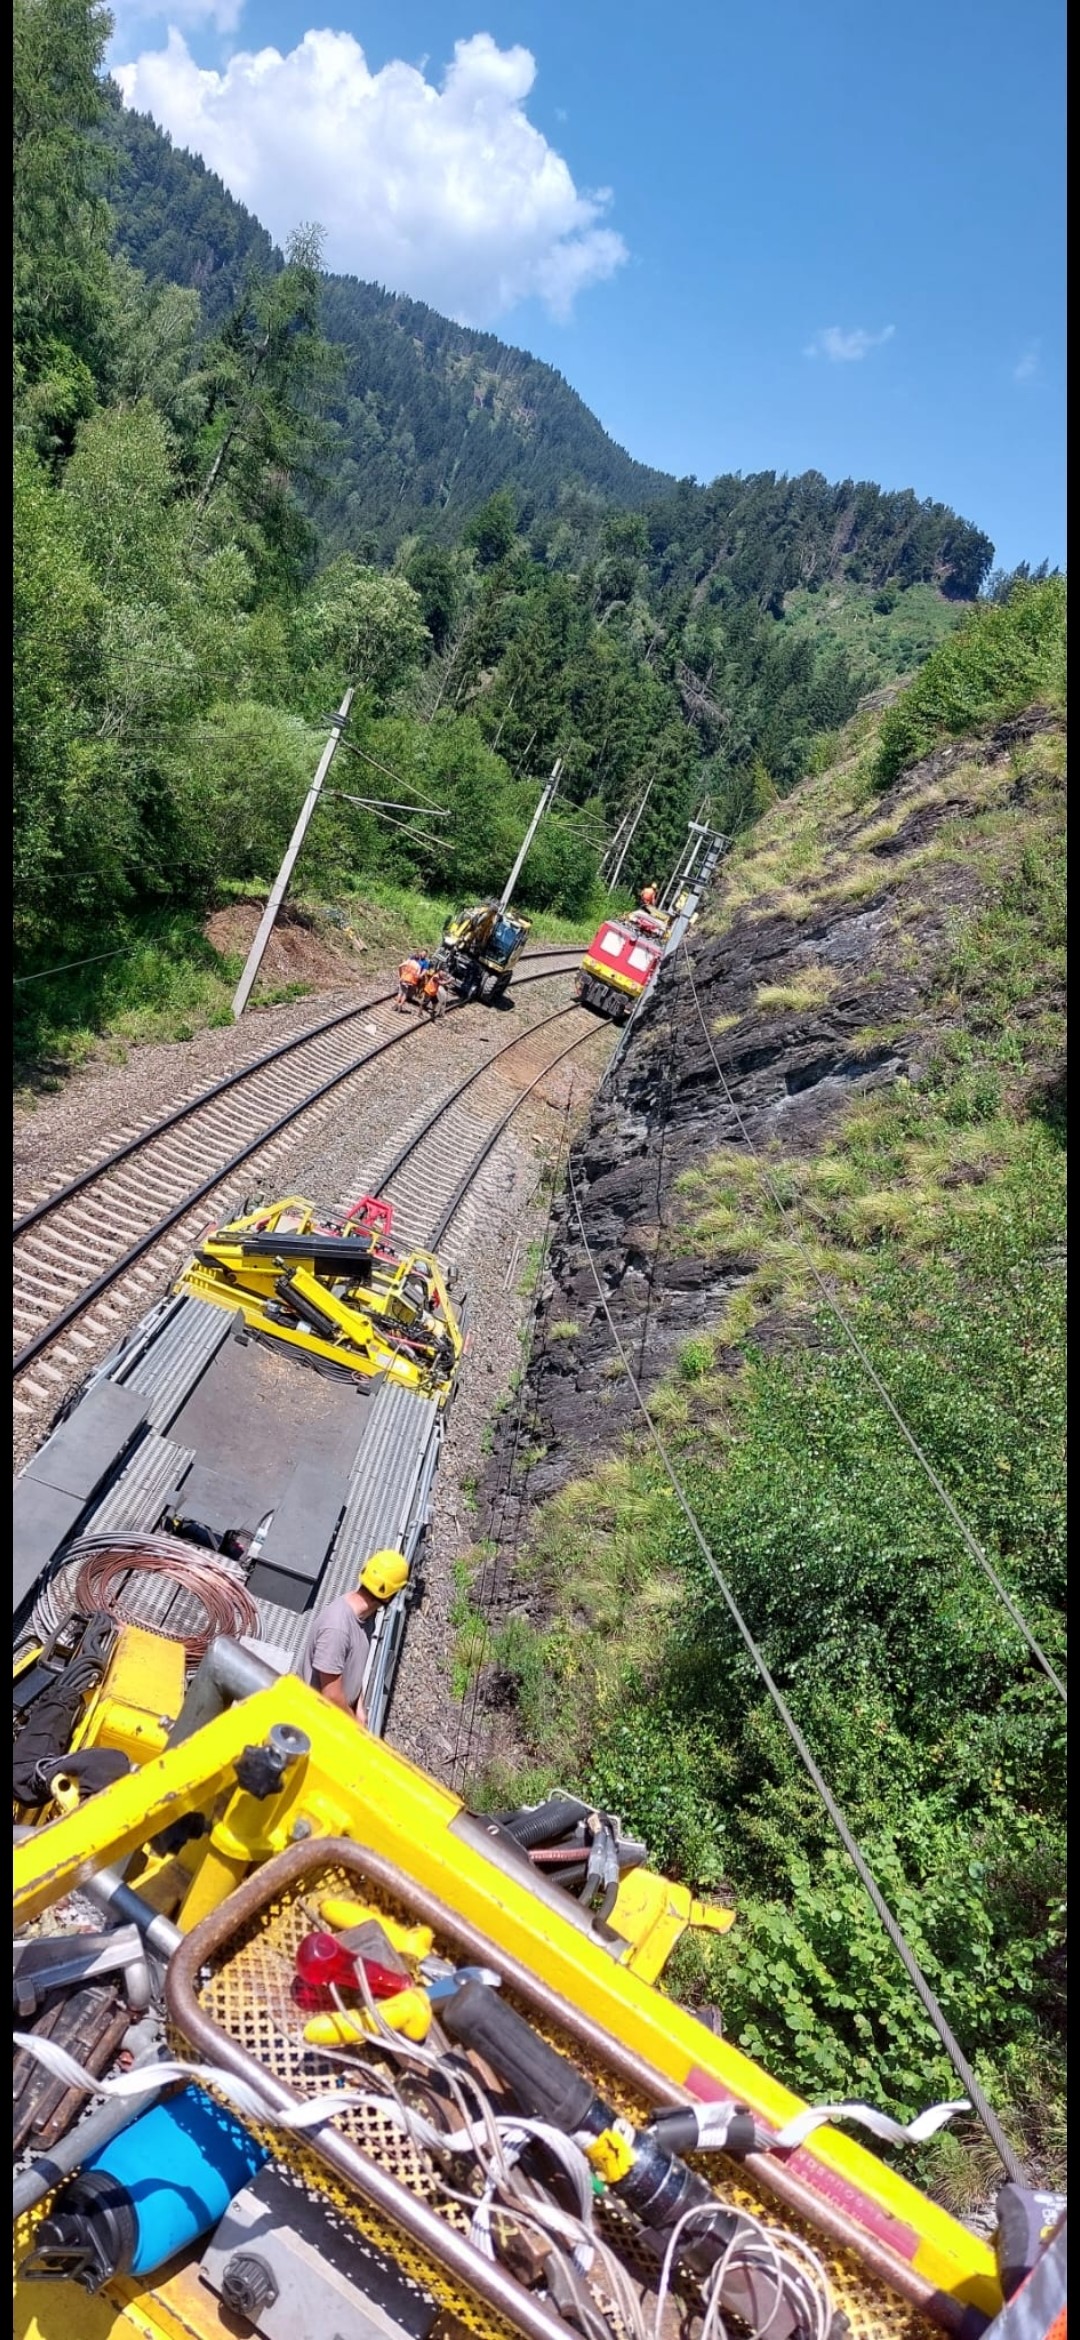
(546, 1823)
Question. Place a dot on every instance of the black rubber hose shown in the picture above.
(547, 1822)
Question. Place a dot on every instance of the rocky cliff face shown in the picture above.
(813, 985)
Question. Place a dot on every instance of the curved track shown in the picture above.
(430, 1176)
(117, 1229)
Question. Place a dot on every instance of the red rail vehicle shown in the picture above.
(620, 963)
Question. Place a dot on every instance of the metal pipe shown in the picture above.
(52, 1962)
(228, 1672)
(107, 2120)
(108, 1889)
(299, 1861)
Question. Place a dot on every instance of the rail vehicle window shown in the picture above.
(611, 943)
(640, 957)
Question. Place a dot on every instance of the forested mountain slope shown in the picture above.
(241, 485)
(433, 417)
(848, 1094)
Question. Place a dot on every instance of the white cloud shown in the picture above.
(844, 349)
(448, 192)
(1027, 366)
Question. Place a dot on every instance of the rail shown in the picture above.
(82, 1233)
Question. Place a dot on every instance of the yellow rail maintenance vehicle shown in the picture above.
(304, 2045)
(409, 2085)
(481, 947)
(337, 1292)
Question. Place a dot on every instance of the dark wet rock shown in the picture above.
(681, 1091)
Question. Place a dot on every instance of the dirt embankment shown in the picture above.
(322, 953)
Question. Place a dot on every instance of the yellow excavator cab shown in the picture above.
(482, 946)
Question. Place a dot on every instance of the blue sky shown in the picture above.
(760, 235)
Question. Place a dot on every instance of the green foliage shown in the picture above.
(1006, 654)
(249, 769)
(492, 531)
(175, 222)
(242, 484)
(943, 1745)
(60, 224)
(938, 1211)
(810, 1987)
(159, 980)
(356, 624)
(434, 580)
(665, 1777)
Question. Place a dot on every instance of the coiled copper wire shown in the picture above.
(226, 1603)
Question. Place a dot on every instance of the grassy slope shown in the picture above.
(884, 641)
(936, 1212)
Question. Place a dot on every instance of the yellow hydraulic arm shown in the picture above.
(332, 1295)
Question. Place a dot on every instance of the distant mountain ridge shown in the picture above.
(434, 417)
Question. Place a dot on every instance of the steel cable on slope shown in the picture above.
(970, 1542)
(666, 1086)
(854, 1851)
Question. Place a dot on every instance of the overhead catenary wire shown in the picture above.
(370, 804)
(122, 951)
(427, 803)
(934, 2010)
(970, 1541)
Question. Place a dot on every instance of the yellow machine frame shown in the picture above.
(353, 1785)
(371, 1320)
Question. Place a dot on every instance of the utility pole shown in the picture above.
(627, 840)
(549, 791)
(615, 842)
(278, 889)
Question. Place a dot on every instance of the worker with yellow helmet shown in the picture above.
(339, 1643)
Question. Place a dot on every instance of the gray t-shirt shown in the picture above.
(338, 1644)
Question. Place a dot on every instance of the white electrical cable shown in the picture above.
(714, 2124)
(926, 2124)
(495, 2143)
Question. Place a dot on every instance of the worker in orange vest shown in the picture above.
(409, 975)
(647, 897)
(431, 998)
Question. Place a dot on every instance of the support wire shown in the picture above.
(970, 1542)
(854, 1851)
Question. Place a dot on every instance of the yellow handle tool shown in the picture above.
(342, 1914)
(408, 2012)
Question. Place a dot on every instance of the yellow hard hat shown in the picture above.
(385, 1574)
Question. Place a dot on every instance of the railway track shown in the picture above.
(430, 1177)
(106, 1240)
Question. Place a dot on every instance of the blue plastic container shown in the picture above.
(148, 2193)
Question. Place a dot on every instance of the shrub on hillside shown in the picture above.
(1004, 656)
